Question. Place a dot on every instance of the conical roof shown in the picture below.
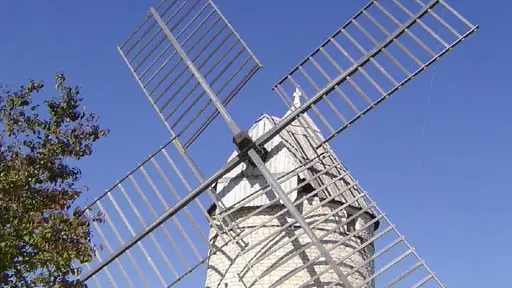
(293, 148)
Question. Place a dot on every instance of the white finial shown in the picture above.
(296, 97)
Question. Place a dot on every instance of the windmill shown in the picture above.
(283, 211)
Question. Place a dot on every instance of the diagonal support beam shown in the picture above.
(355, 68)
(252, 153)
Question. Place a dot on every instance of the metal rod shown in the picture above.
(225, 102)
(326, 41)
(110, 278)
(441, 20)
(454, 12)
(141, 220)
(370, 259)
(95, 279)
(178, 10)
(130, 229)
(296, 214)
(168, 45)
(276, 215)
(189, 188)
(308, 245)
(389, 265)
(412, 35)
(297, 235)
(237, 35)
(423, 281)
(337, 88)
(187, 212)
(130, 37)
(188, 272)
(267, 188)
(196, 73)
(400, 45)
(348, 78)
(174, 66)
(375, 256)
(174, 53)
(365, 74)
(404, 275)
(129, 173)
(200, 177)
(360, 91)
(313, 107)
(180, 228)
(393, 59)
(307, 128)
(328, 78)
(164, 38)
(120, 239)
(169, 213)
(110, 250)
(140, 27)
(185, 68)
(347, 256)
(343, 51)
(206, 75)
(394, 89)
(327, 100)
(196, 100)
(172, 16)
(144, 34)
(162, 3)
(175, 94)
(379, 211)
(153, 212)
(424, 8)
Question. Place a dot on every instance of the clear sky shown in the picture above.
(438, 167)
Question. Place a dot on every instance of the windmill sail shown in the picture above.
(283, 211)
(240, 235)
(210, 43)
(377, 52)
(371, 252)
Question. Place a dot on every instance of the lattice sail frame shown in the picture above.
(384, 46)
(166, 242)
(210, 42)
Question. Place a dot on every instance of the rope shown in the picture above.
(421, 143)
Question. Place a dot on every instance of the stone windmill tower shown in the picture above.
(283, 211)
(271, 243)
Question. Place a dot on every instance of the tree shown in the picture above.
(44, 235)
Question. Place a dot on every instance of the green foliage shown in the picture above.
(43, 235)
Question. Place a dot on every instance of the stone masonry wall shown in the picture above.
(228, 268)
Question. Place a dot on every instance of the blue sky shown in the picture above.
(438, 167)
